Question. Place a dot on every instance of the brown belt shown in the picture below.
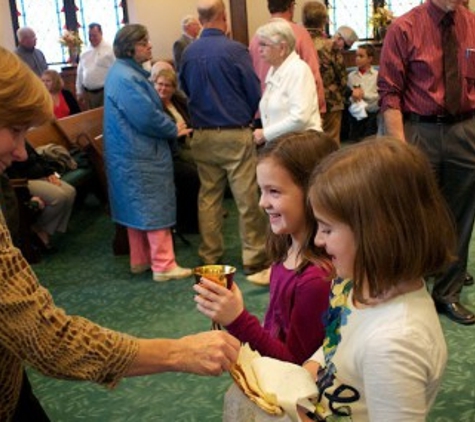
(223, 127)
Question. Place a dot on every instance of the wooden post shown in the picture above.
(239, 26)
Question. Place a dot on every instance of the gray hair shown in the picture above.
(24, 31)
(348, 34)
(277, 31)
(187, 20)
(126, 38)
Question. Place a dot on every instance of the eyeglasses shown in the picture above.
(163, 85)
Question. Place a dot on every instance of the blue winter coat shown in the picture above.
(137, 153)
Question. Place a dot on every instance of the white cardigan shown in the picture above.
(290, 101)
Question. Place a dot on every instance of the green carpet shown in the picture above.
(86, 279)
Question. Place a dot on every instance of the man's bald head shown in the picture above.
(210, 10)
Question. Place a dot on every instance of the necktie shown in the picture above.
(453, 85)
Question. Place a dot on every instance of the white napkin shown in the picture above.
(358, 110)
(291, 384)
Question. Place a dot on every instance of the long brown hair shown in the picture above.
(298, 153)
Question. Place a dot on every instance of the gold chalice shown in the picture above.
(220, 274)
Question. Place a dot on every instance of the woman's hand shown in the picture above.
(217, 302)
(39, 201)
(183, 130)
(259, 138)
(52, 178)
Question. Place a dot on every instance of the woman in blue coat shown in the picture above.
(138, 158)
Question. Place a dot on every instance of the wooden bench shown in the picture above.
(77, 134)
(84, 131)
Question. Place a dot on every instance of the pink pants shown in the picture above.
(153, 247)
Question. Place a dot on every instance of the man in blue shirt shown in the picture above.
(223, 93)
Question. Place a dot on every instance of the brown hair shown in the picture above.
(169, 75)
(314, 15)
(24, 100)
(369, 48)
(385, 191)
(126, 38)
(279, 6)
(56, 79)
(298, 153)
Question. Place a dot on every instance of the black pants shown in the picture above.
(360, 129)
(451, 152)
(29, 408)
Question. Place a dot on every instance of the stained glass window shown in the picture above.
(108, 13)
(357, 14)
(399, 7)
(48, 21)
(49, 18)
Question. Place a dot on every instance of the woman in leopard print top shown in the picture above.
(33, 331)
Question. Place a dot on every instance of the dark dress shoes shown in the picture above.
(468, 281)
(456, 312)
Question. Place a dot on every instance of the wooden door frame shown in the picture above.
(239, 27)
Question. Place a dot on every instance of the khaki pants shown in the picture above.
(331, 124)
(94, 99)
(223, 156)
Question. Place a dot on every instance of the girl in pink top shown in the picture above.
(300, 276)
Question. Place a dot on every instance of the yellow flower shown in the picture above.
(381, 18)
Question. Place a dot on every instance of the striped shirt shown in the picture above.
(411, 67)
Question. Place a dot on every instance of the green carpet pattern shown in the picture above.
(86, 279)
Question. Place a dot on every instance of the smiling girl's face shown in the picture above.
(339, 242)
(282, 199)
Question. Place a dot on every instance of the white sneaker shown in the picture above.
(174, 274)
(262, 278)
(139, 269)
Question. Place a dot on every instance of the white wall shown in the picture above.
(162, 18)
(6, 30)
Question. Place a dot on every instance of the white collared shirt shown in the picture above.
(367, 82)
(93, 67)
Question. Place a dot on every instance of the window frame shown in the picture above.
(70, 14)
(374, 4)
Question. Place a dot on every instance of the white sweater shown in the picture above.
(290, 101)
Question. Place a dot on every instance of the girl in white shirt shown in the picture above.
(382, 220)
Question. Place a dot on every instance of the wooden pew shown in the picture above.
(82, 126)
(47, 133)
(84, 131)
(76, 132)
